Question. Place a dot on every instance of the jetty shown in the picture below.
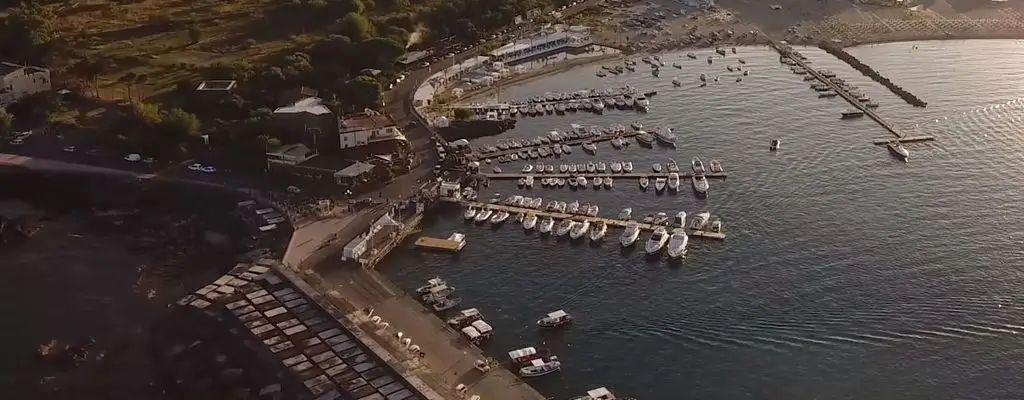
(905, 139)
(787, 51)
(611, 222)
(865, 69)
(591, 175)
(438, 244)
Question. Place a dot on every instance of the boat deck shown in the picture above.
(432, 243)
(611, 222)
(591, 175)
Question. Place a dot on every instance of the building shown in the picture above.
(20, 81)
(219, 86)
(290, 154)
(367, 128)
(414, 56)
(548, 41)
(382, 230)
(306, 116)
(354, 174)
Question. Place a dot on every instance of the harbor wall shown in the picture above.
(865, 69)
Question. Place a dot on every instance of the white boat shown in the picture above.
(464, 318)
(896, 148)
(660, 219)
(659, 184)
(536, 203)
(644, 182)
(572, 181)
(598, 231)
(529, 181)
(432, 284)
(608, 182)
(598, 181)
(591, 167)
(460, 240)
(590, 147)
(697, 165)
(560, 182)
(602, 167)
(564, 227)
(676, 246)
(700, 184)
(581, 181)
(626, 214)
(630, 235)
(563, 168)
(539, 367)
(446, 304)
(672, 165)
(616, 167)
(470, 213)
(665, 135)
(673, 181)
(716, 166)
(657, 240)
(579, 229)
(676, 82)
(597, 105)
(627, 167)
(700, 220)
(593, 210)
(600, 393)
(637, 126)
(528, 168)
(529, 222)
(546, 225)
(573, 207)
(642, 104)
(555, 319)
(656, 167)
(716, 226)
(483, 215)
(499, 217)
(679, 220)
(775, 145)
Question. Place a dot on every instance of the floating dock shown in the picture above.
(905, 139)
(432, 243)
(569, 142)
(591, 175)
(611, 222)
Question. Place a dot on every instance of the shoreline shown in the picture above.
(537, 74)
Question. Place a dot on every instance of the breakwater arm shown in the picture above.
(848, 58)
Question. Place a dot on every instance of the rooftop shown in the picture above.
(414, 56)
(362, 122)
(309, 105)
(354, 170)
(217, 85)
(8, 67)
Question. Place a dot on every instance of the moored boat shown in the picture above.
(700, 220)
(659, 184)
(470, 213)
(579, 229)
(433, 283)
(700, 185)
(627, 167)
(564, 227)
(546, 225)
(676, 246)
(499, 217)
(483, 215)
(464, 318)
(697, 165)
(644, 138)
(629, 235)
(665, 135)
(657, 241)
(716, 166)
(529, 222)
(673, 181)
(539, 367)
(645, 182)
(598, 230)
(897, 148)
(626, 214)
(679, 220)
(555, 319)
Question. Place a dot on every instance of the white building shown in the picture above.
(20, 81)
(364, 129)
(548, 40)
(290, 154)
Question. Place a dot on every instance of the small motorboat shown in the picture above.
(700, 185)
(630, 235)
(691, 56)
(590, 147)
(598, 231)
(660, 219)
(579, 229)
(716, 167)
(563, 169)
(593, 210)
(573, 207)
(464, 318)
(572, 181)
(483, 215)
(627, 167)
(564, 227)
(648, 219)
(560, 182)
(616, 167)
(679, 220)
(700, 220)
(673, 181)
(656, 167)
(644, 138)
(897, 149)
(637, 126)
(676, 246)
(539, 367)
(697, 165)
(598, 181)
(626, 214)
(608, 182)
(602, 167)
(716, 226)
(657, 241)
(775, 145)
(581, 181)
(528, 168)
(499, 217)
(446, 304)
(470, 213)
(555, 319)
(665, 136)
(529, 222)
(433, 284)
(546, 225)
(660, 183)
(672, 166)
(676, 82)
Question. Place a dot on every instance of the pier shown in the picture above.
(611, 222)
(905, 139)
(432, 243)
(591, 175)
(570, 142)
(841, 54)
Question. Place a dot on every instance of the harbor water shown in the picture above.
(846, 274)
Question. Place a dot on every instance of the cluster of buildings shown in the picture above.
(18, 81)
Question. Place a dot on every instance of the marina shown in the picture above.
(589, 100)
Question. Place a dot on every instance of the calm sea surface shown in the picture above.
(846, 274)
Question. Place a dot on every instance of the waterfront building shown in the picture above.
(549, 40)
(368, 128)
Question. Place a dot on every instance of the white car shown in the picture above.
(294, 189)
(195, 167)
(18, 141)
(208, 169)
(69, 149)
(133, 157)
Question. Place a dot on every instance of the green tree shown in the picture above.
(379, 53)
(36, 108)
(6, 120)
(362, 92)
(180, 123)
(28, 31)
(355, 26)
(146, 115)
(463, 114)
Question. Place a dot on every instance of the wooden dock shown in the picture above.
(611, 222)
(432, 243)
(589, 175)
(786, 51)
(571, 142)
(905, 139)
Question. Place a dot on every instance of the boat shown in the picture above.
(660, 219)
(464, 318)
(716, 226)
(700, 184)
(590, 147)
(433, 283)
(593, 210)
(539, 367)
(564, 227)
(637, 126)
(499, 217)
(642, 104)
(528, 168)
(648, 219)
(555, 319)
(775, 145)
(676, 82)
(617, 142)
(665, 135)
(566, 149)
(483, 215)
(600, 393)
(591, 167)
(600, 73)
(597, 105)
(598, 181)
(672, 166)
(579, 229)
(692, 56)
(536, 203)
(626, 214)
(673, 181)
(546, 225)
(659, 184)
(716, 167)
(573, 207)
(627, 167)
(630, 235)
(529, 222)
(851, 114)
(572, 181)
(608, 182)
(644, 138)
(529, 181)
(656, 167)
(657, 241)
(602, 167)
(560, 182)
(581, 181)
(676, 246)
(446, 304)
(703, 78)
(897, 148)
(700, 220)
(598, 231)
(470, 213)
(697, 165)
(680, 219)
(616, 167)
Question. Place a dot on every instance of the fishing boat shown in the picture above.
(775, 145)
(499, 217)
(555, 319)
(579, 229)
(657, 241)
(630, 235)
(608, 182)
(672, 166)
(897, 149)
(700, 220)
(656, 167)
(546, 225)
(659, 184)
(598, 181)
(626, 214)
(697, 165)
(470, 213)
(679, 220)
(529, 222)
(676, 246)
(433, 283)
(665, 136)
(590, 147)
(627, 167)
(464, 318)
(598, 231)
(700, 185)
(716, 167)
(539, 367)
(483, 215)
(644, 138)
(673, 181)
(564, 227)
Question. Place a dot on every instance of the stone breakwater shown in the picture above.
(865, 69)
